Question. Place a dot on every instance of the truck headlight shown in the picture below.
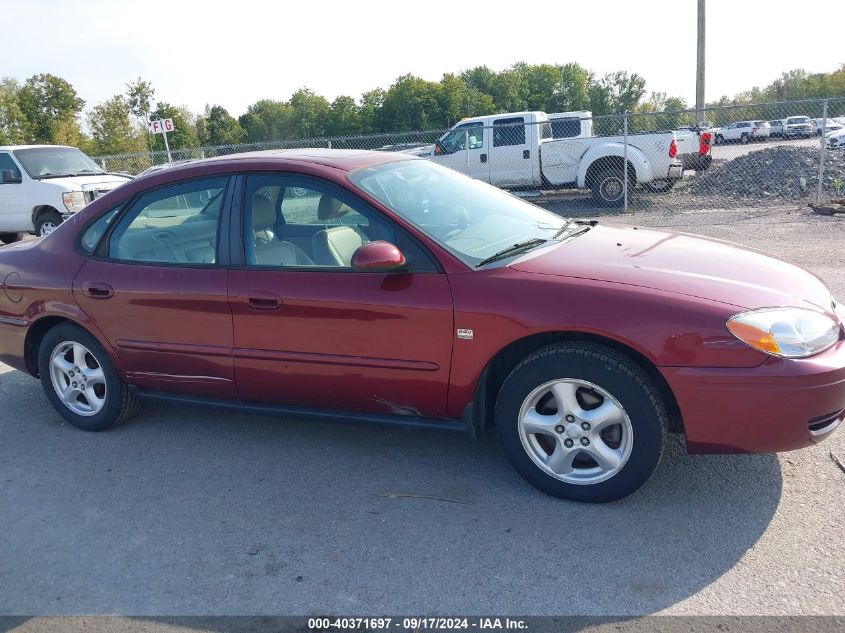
(74, 200)
(786, 332)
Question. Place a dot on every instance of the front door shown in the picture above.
(155, 288)
(466, 149)
(310, 331)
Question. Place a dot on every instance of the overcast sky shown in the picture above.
(236, 52)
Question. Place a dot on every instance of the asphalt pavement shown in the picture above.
(189, 511)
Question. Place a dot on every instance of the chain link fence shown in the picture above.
(788, 153)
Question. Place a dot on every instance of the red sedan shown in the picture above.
(384, 289)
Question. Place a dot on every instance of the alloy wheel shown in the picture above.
(78, 378)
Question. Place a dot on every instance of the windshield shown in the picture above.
(798, 119)
(49, 162)
(470, 218)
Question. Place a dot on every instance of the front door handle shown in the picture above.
(484, 158)
(97, 290)
(261, 300)
(526, 153)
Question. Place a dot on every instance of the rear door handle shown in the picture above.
(97, 290)
(526, 153)
(261, 300)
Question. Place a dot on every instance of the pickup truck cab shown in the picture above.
(43, 185)
(518, 151)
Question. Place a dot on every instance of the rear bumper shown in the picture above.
(779, 406)
(697, 162)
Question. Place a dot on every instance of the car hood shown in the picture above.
(681, 263)
(101, 182)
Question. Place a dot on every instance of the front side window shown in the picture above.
(470, 218)
(7, 164)
(291, 223)
(177, 224)
(509, 132)
(55, 162)
(456, 140)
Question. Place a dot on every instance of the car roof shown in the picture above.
(343, 159)
(11, 147)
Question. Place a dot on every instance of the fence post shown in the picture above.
(103, 164)
(330, 143)
(821, 155)
(466, 148)
(625, 161)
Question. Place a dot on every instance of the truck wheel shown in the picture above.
(47, 222)
(80, 380)
(10, 238)
(659, 186)
(608, 189)
(581, 421)
(744, 138)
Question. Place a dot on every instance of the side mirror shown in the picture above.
(8, 177)
(438, 149)
(377, 256)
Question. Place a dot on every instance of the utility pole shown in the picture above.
(699, 75)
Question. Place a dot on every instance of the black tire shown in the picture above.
(47, 221)
(10, 238)
(660, 186)
(609, 370)
(607, 188)
(120, 402)
(719, 139)
(744, 138)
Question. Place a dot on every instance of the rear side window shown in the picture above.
(98, 228)
(566, 128)
(172, 225)
(509, 132)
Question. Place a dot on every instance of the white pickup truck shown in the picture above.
(43, 185)
(518, 151)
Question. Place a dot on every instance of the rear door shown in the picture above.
(156, 288)
(511, 160)
(465, 149)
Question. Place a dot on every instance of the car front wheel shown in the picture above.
(582, 422)
(80, 380)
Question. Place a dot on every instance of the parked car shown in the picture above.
(743, 131)
(797, 126)
(836, 140)
(831, 125)
(404, 294)
(776, 127)
(517, 150)
(43, 185)
(154, 168)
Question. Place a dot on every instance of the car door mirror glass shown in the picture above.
(378, 256)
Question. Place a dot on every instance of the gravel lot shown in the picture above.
(186, 511)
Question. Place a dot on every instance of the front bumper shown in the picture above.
(781, 405)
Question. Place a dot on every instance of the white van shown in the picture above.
(43, 185)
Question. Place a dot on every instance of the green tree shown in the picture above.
(13, 124)
(413, 103)
(184, 134)
(310, 113)
(372, 111)
(267, 120)
(112, 128)
(50, 106)
(344, 117)
(218, 127)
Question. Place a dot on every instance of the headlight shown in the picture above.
(787, 332)
(74, 200)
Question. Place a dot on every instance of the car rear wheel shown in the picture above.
(10, 238)
(581, 421)
(80, 380)
(608, 188)
(47, 222)
(719, 139)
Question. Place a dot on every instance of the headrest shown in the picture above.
(330, 208)
(263, 213)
